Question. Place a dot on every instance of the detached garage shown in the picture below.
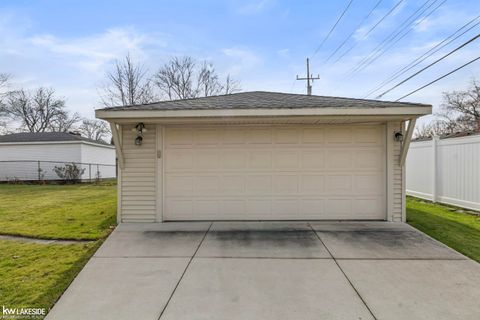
(262, 156)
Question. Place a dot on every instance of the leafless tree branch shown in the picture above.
(127, 84)
(95, 130)
(184, 78)
(39, 111)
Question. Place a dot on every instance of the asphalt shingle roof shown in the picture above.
(46, 137)
(263, 100)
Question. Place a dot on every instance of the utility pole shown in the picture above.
(309, 78)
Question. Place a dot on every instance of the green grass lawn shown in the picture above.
(36, 274)
(459, 231)
(57, 211)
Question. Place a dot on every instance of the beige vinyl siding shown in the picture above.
(396, 203)
(138, 177)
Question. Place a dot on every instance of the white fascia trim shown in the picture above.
(55, 142)
(122, 114)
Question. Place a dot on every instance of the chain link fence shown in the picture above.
(31, 170)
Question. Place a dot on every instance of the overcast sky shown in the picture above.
(69, 45)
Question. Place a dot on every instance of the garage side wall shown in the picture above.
(395, 175)
(138, 178)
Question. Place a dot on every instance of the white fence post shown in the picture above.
(435, 140)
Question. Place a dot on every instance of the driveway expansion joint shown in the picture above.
(344, 274)
(184, 271)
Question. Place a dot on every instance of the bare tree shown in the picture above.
(95, 130)
(231, 86)
(434, 128)
(4, 79)
(460, 112)
(128, 84)
(39, 111)
(185, 78)
(462, 108)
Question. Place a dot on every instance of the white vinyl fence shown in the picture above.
(445, 170)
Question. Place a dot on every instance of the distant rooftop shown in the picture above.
(46, 137)
(264, 100)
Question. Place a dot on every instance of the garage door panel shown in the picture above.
(258, 208)
(206, 185)
(208, 136)
(338, 184)
(234, 160)
(286, 136)
(369, 159)
(339, 159)
(206, 160)
(312, 184)
(338, 207)
(285, 184)
(367, 206)
(234, 136)
(260, 136)
(338, 135)
(178, 209)
(367, 135)
(179, 185)
(260, 159)
(285, 207)
(232, 185)
(180, 137)
(233, 208)
(286, 160)
(179, 160)
(312, 208)
(296, 172)
(313, 159)
(313, 136)
(368, 184)
(259, 184)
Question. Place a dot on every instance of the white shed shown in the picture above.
(262, 156)
(23, 154)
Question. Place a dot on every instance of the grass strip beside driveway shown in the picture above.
(457, 230)
(35, 275)
(81, 212)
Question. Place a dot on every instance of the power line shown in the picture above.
(333, 28)
(425, 56)
(383, 18)
(354, 30)
(382, 52)
(393, 35)
(371, 29)
(438, 79)
(430, 65)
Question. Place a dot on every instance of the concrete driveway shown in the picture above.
(263, 270)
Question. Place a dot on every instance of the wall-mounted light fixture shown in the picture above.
(398, 136)
(139, 129)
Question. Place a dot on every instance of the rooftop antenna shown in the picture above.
(309, 78)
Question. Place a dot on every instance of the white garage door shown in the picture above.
(274, 173)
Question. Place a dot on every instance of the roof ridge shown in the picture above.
(259, 99)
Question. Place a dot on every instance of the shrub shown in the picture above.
(70, 173)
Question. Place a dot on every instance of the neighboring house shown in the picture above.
(22, 154)
(262, 156)
(446, 169)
